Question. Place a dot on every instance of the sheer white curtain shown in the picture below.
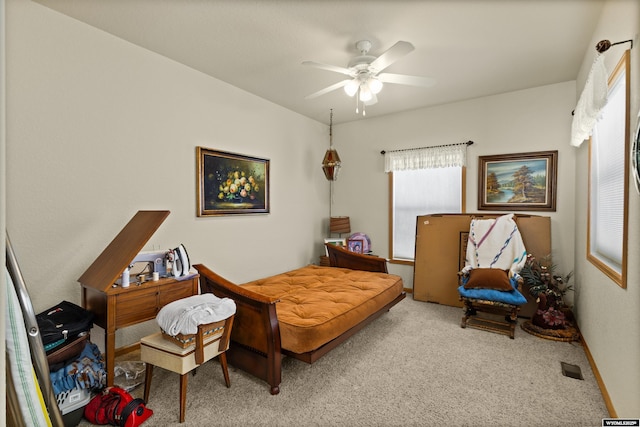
(424, 181)
(591, 102)
(442, 156)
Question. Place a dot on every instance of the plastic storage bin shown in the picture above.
(71, 404)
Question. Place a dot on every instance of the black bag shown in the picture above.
(62, 323)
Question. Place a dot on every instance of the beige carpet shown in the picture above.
(414, 366)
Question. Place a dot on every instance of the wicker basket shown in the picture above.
(570, 333)
(185, 341)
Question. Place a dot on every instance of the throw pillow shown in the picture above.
(489, 278)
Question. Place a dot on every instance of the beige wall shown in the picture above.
(609, 316)
(99, 128)
(536, 119)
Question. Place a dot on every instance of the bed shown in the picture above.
(303, 313)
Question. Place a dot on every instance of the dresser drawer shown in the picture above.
(175, 291)
(136, 307)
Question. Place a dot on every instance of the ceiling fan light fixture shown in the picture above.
(364, 80)
(352, 87)
(365, 93)
(375, 85)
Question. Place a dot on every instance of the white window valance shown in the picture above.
(441, 156)
(591, 102)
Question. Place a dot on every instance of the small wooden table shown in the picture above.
(116, 307)
(122, 307)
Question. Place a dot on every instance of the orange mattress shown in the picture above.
(317, 304)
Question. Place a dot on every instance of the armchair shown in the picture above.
(489, 281)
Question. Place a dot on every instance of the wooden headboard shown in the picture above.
(339, 257)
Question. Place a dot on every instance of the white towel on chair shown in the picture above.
(495, 243)
(184, 315)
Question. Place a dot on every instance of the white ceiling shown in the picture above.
(473, 48)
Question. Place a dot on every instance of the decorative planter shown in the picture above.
(568, 332)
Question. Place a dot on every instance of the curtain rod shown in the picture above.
(420, 148)
(604, 45)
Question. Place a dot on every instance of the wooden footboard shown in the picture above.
(255, 335)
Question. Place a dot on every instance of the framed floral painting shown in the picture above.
(518, 182)
(230, 184)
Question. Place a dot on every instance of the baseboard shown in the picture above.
(596, 373)
(127, 349)
(408, 290)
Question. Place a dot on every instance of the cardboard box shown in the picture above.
(441, 248)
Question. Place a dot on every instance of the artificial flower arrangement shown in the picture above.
(549, 289)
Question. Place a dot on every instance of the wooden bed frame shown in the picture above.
(256, 346)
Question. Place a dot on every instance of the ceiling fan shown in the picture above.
(365, 73)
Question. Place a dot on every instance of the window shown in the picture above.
(421, 192)
(608, 180)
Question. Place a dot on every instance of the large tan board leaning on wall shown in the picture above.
(440, 249)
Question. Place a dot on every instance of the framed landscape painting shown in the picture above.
(229, 183)
(518, 182)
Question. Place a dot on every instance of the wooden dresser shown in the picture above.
(116, 307)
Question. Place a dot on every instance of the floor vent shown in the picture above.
(571, 371)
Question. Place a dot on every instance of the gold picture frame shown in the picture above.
(230, 183)
(518, 182)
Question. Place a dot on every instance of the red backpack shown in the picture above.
(116, 407)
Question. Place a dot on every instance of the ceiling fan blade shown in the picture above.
(402, 79)
(392, 54)
(328, 67)
(328, 89)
